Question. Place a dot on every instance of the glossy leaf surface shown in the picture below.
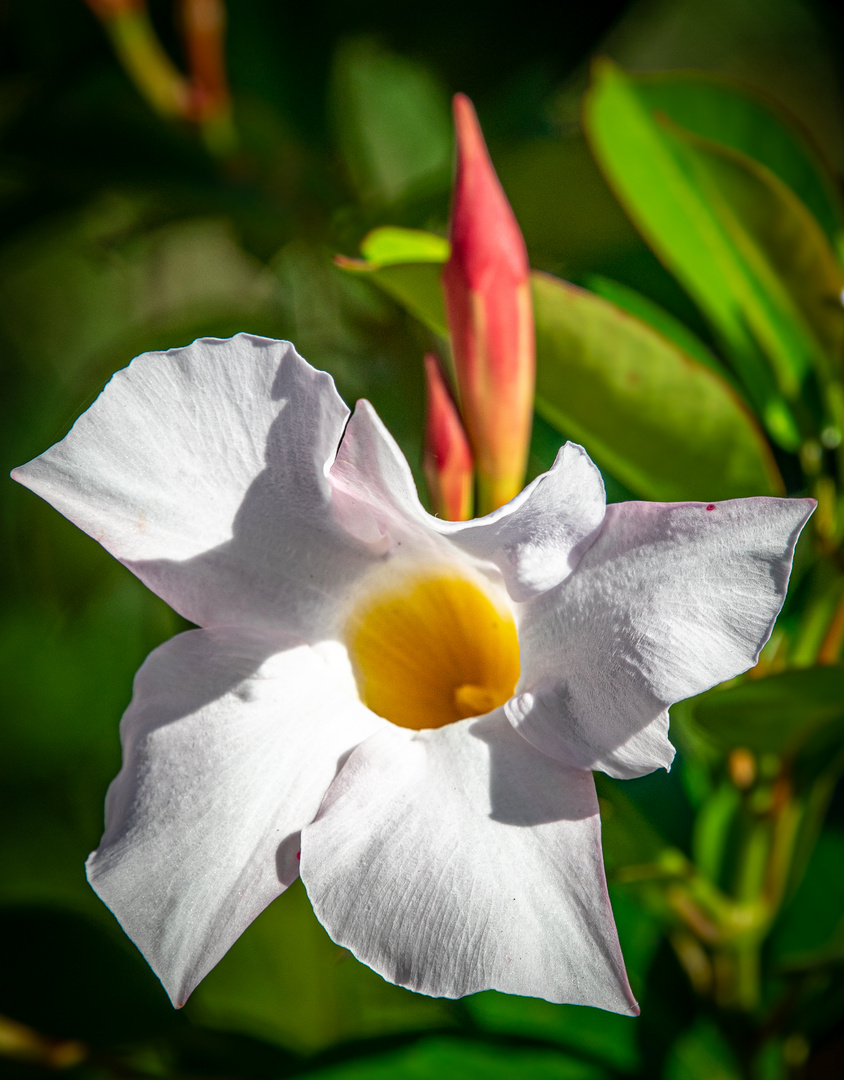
(742, 118)
(736, 235)
(666, 426)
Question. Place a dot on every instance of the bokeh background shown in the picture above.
(125, 228)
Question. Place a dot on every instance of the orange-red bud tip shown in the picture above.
(448, 458)
(485, 237)
(486, 286)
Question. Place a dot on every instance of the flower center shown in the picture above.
(428, 651)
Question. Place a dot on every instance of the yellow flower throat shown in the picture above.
(428, 651)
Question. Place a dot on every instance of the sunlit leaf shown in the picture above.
(666, 426)
(388, 246)
(791, 282)
(415, 285)
(737, 116)
(733, 232)
(642, 307)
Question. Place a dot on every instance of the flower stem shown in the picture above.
(147, 64)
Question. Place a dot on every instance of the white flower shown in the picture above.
(411, 704)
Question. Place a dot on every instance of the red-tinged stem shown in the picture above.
(133, 37)
(204, 25)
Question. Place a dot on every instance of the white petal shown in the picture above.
(460, 860)
(203, 470)
(375, 497)
(228, 748)
(536, 540)
(668, 601)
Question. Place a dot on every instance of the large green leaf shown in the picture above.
(645, 309)
(665, 425)
(790, 282)
(737, 116)
(736, 235)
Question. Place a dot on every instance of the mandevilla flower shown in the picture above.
(412, 707)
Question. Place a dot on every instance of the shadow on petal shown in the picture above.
(526, 788)
(288, 559)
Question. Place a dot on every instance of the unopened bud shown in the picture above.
(490, 317)
(448, 459)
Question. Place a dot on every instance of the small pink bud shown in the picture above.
(448, 459)
(490, 317)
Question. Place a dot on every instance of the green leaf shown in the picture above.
(736, 236)
(782, 714)
(389, 246)
(439, 1058)
(284, 980)
(790, 282)
(666, 426)
(609, 1039)
(393, 124)
(737, 116)
(406, 264)
(702, 1053)
(642, 307)
(416, 286)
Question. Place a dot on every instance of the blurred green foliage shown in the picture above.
(688, 243)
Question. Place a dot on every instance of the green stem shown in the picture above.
(147, 64)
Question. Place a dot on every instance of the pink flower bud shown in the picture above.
(448, 459)
(490, 317)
